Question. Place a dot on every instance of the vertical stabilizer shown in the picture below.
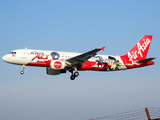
(139, 51)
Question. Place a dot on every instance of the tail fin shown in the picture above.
(139, 51)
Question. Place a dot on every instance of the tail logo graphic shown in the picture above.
(139, 50)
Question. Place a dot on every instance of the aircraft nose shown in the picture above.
(4, 58)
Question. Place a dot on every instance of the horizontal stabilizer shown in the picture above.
(144, 61)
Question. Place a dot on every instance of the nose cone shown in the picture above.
(4, 58)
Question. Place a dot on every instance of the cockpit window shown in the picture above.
(12, 53)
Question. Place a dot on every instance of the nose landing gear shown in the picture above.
(22, 72)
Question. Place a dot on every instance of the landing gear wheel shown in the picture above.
(76, 74)
(22, 72)
(72, 77)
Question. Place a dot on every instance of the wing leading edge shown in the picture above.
(84, 57)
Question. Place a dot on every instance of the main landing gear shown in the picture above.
(22, 72)
(76, 74)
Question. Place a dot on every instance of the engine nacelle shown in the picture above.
(58, 65)
(50, 71)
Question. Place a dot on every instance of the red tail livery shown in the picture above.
(138, 53)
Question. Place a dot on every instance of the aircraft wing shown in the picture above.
(84, 57)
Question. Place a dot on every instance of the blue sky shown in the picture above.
(77, 26)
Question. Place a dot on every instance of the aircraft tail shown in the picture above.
(139, 51)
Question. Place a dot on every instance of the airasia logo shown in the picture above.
(57, 64)
(140, 50)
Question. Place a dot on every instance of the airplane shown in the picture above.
(57, 62)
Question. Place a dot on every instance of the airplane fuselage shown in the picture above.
(43, 58)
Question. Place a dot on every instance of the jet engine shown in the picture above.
(50, 71)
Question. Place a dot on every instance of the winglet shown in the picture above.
(103, 48)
